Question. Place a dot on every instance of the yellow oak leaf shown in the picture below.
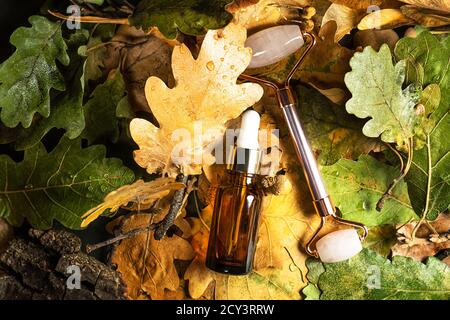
(346, 19)
(144, 193)
(158, 275)
(204, 98)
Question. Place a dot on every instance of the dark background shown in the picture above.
(13, 14)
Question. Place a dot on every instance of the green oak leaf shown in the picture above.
(102, 124)
(332, 132)
(369, 276)
(381, 239)
(60, 185)
(356, 187)
(192, 17)
(376, 87)
(28, 75)
(315, 269)
(66, 107)
(429, 177)
(426, 56)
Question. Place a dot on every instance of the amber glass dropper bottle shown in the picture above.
(234, 227)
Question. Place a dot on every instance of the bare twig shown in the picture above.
(122, 236)
(178, 202)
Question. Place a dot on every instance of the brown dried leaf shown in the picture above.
(442, 5)
(426, 243)
(140, 56)
(426, 17)
(144, 193)
(160, 273)
(375, 38)
(419, 249)
(384, 19)
(346, 19)
(358, 4)
(205, 91)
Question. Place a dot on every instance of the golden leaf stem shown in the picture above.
(91, 19)
(147, 245)
(199, 213)
(403, 172)
(427, 199)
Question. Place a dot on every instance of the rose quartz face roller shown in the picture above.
(270, 46)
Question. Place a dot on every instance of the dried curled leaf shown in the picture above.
(205, 92)
(442, 5)
(143, 193)
(426, 243)
(426, 17)
(152, 276)
(384, 19)
(346, 19)
(140, 56)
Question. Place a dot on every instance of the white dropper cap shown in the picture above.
(248, 134)
(339, 246)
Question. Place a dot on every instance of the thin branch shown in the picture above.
(126, 235)
(178, 203)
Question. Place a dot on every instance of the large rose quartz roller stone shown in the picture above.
(339, 246)
(274, 44)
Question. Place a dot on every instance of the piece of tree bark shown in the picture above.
(38, 268)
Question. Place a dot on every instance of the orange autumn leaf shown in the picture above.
(205, 93)
(158, 273)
